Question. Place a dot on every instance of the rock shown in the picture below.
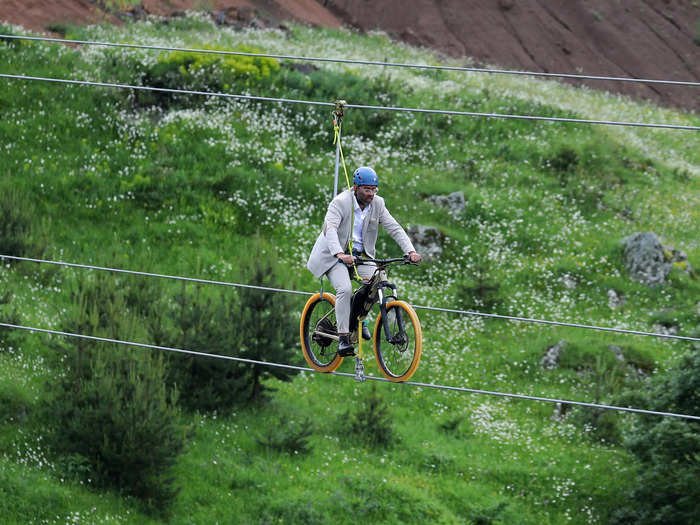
(551, 358)
(615, 300)
(427, 240)
(645, 258)
(454, 202)
(648, 261)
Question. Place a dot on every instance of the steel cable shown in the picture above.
(357, 106)
(372, 378)
(298, 292)
(355, 61)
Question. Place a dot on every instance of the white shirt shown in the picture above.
(358, 224)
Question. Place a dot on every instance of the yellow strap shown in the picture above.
(336, 128)
(337, 123)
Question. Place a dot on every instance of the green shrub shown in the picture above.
(285, 435)
(603, 424)
(14, 403)
(439, 462)
(17, 223)
(372, 422)
(9, 337)
(250, 324)
(479, 291)
(206, 72)
(205, 325)
(121, 423)
(668, 450)
(116, 420)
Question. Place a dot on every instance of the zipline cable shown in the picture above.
(298, 292)
(301, 368)
(558, 323)
(357, 106)
(159, 275)
(355, 61)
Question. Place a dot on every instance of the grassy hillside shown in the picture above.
(195, 186)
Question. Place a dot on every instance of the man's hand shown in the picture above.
(345, 258)
(415, 257)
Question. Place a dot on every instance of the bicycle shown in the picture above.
(398, 352)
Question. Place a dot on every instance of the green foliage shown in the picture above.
(668, 450)
(373, 498)
(451, 425)
(8, 314)
(266, 320)
(119, 5)
(604, 424)
(23, 495)
(371, 423)
(479, 290)
(17, 225)
(205, 325)
(121, 421)
(250, 324)
(286, 435)
(206, 71)
(115, 419)
(58, 27)
(14, 403)
(12, 43)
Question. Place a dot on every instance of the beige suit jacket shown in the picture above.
(337, 228)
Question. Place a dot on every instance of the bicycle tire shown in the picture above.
(398, 362)
(319, 352)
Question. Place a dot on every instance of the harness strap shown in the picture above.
(337, 123)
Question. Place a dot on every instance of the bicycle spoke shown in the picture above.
(318, 334)
(399, 355)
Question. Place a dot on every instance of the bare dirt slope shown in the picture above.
(651, 39)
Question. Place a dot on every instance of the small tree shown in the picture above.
(372, 422)
(16, 224)
(250, 324)
(478, 290)
(113, 414)
(8, 336)
(270, 332)
(668, 450)
(206, 325)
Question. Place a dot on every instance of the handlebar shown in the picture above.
(385, 262)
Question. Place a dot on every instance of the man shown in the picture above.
(329, 257)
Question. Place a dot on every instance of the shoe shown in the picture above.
(365, 333)
(345, 348)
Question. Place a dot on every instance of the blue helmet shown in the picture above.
(365, 176)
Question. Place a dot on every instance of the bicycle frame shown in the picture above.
(379, 283)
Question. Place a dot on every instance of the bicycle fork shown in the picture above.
(385, 318)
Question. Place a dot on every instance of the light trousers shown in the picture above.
(340, 280)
